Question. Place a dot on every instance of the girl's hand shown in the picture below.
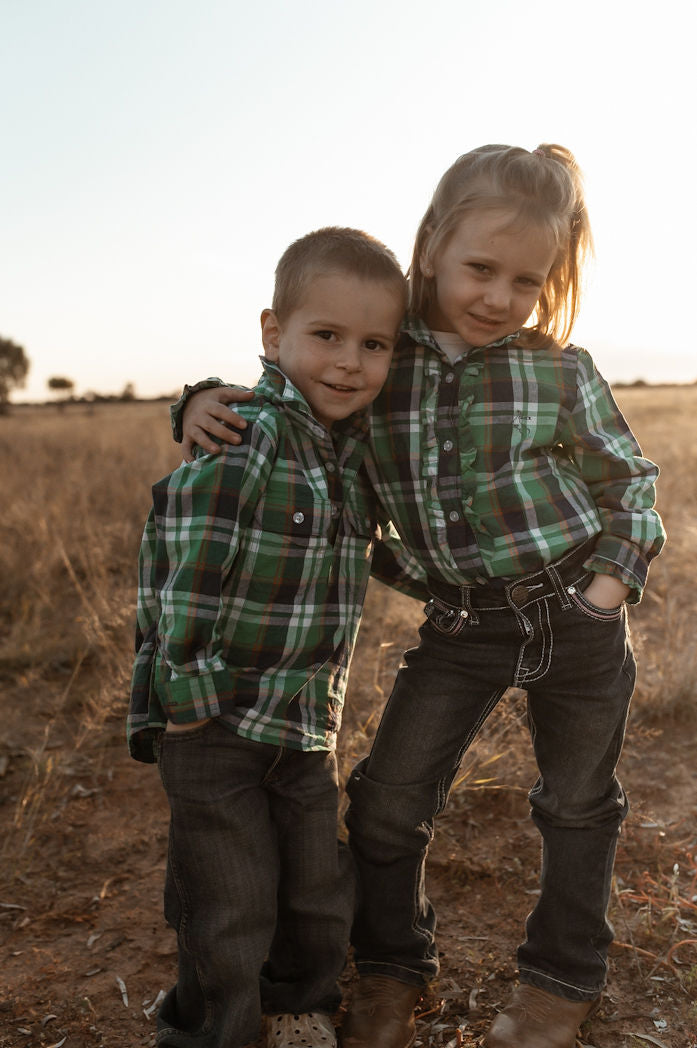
(606, 591)
(206, 415)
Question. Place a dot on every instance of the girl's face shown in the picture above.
(488, 276)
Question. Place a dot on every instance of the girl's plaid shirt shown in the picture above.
(252, 575)
(497, 465)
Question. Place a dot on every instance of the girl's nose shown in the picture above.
(498, 294)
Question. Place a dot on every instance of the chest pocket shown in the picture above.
(302, 519)
(286, 549)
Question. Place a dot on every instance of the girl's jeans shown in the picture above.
(576, 664)
(257, 890)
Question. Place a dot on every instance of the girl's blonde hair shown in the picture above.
(544, 188)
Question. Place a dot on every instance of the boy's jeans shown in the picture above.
(577, 666)
(257, 890)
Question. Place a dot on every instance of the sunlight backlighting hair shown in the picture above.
(543, 187)
(331, 250)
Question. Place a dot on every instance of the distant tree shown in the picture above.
(14, 367)
(129, 392)
(61, 384)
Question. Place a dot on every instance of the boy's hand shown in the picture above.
(606, 591)
(171, 726)
(206, 415)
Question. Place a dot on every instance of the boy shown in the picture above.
(253, 571)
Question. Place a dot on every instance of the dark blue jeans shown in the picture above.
(257, 889)
(576, 664)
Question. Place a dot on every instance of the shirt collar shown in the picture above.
(278, 389)
(420, 332)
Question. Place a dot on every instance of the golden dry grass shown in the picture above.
(77, 487)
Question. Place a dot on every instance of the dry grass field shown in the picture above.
(83, 829)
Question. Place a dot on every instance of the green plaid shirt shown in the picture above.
(497, 465)
(500, 463)
(253, 570)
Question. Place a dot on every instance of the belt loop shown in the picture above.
(466, 603)
(559, 587)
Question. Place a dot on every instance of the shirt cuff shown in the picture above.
(194, 697)
(615, 556)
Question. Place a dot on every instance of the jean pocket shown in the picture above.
(444, 618)
(592, 611)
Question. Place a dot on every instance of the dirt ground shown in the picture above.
(85, 951)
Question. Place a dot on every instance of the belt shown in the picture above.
(549, 581)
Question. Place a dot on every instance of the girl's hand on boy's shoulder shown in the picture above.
(206, 415)
(606, 591)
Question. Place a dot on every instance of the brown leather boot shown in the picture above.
(381, 1014)
(534, 1018)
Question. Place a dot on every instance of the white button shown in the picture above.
(450, 376)
(335, 511)
(330, 467)
(298, 517)
(453, 515)
(448, 445)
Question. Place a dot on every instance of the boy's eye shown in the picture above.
(374, 345)
(326, 335)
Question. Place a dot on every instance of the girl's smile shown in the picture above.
(488, 276)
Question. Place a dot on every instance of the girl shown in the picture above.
(510, 474)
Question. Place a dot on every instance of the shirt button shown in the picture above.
(448, 445)
(335, 511)
(330, 467)
(453, 515)
(298, 517)
(450, 376)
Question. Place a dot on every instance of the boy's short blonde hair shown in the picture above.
(334, 249)
(543, 188)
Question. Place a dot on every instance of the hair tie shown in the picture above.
(539, 152)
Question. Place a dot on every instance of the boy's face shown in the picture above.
(336, 345)
(488, 276)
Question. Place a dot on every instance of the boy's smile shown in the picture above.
(488, 276)
(336, 345)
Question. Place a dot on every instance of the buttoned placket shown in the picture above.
(455, 495)
(334, 488)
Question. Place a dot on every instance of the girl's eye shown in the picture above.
(326, 335)
(529, 282)
(478, 267)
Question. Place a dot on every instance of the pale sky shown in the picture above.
(159, 155)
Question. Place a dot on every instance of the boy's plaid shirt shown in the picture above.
(502, 462)
(253, 570)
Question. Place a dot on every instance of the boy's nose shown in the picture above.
(349, 358)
